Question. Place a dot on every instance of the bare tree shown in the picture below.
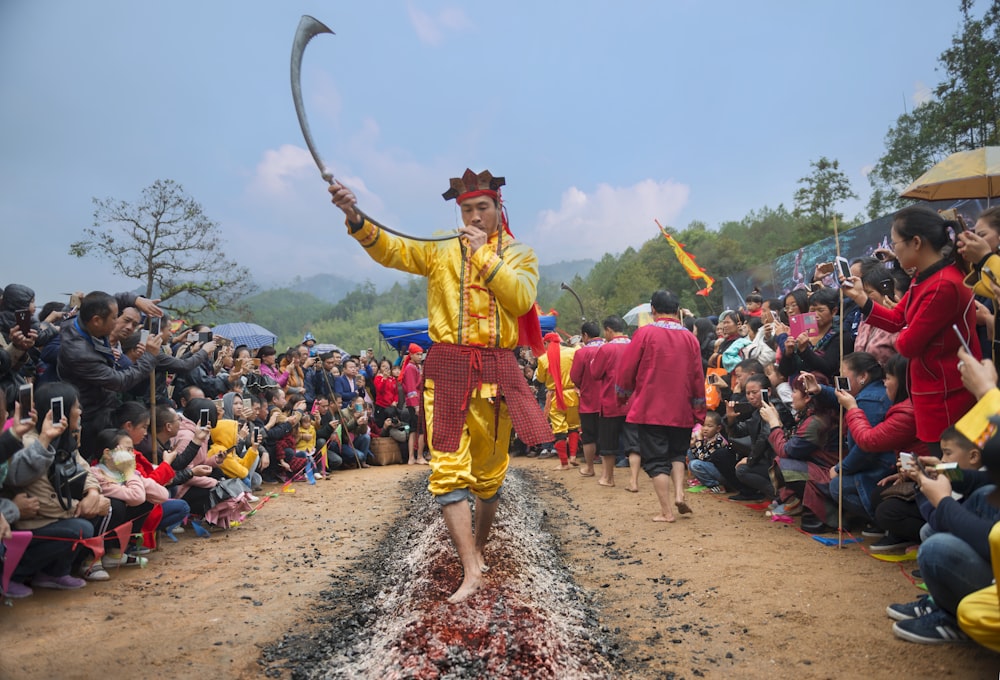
(168, 243)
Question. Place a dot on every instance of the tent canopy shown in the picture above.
(399, 335)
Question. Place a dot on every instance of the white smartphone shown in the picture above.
(844, 269)
(143, 336)
(203, 418)
(56, 406)
(907, 461)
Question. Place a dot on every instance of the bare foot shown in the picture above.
(604, 482)
(586, 473)
(563, 467)
(470, 584)
(683, 508)
(483, 567)
(573, 462)
(633, 489)
(411, 462)
(664, 518)
(422, 461)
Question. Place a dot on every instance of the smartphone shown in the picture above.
(204, 336)
(203, 418)
(23, 319)
(765, 396)
(56, 406)
(887, 287)
(907, 461)
(26, 397)
(744, 408)
(844, 269)
(842, 382)
(143, 336)
(988, 273)
(154, 325)
(961, 338)
(256, 363)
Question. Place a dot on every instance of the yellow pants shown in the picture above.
(480, 463)
(564, 421)
(979, 617)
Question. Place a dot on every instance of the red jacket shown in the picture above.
(603, 367)
(897, 431)
(661, 367)
(580, 374)
(386, 390)
(923, 318)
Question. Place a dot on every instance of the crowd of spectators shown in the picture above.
(853, 412)
(123, 428)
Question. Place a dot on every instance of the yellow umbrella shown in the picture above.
(966, 174)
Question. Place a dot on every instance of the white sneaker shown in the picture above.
(252, 498)
(95, 572)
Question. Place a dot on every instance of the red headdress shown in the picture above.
(471, 185)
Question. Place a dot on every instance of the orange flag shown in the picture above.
(687, 261)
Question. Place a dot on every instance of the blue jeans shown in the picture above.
(858, 491)
(175, 511)
(951, 570)
(363, 443)
(706, 472)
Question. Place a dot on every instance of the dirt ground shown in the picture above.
(721, 593)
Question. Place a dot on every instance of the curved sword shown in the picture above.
(309, 28)
(564, 286)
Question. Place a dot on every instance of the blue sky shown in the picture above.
(602, 116)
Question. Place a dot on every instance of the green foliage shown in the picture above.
(964, 114)
(822, 190)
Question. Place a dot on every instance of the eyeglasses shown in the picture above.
(896, 243)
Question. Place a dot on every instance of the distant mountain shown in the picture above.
(565, 271)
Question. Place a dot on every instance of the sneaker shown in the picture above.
(126, 560)
(177, 530)
(66, 582)
(793, 506)
(16, 591)
(911, 610)
(938, 627)
(546, 453)
(716, 490)
(254, 499)
(95, 572)
(138, 550)
(623, 463)
(888, 543)
(692, 483)
(872, 531)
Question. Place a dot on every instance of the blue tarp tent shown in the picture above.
(400, 335)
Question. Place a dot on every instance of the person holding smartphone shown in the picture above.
(936, 299)
(978, 246)
(880, 284)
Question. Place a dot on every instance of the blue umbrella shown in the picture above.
(249, 334)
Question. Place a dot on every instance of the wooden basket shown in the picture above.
(386, 450)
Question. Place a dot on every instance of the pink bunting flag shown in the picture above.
(16, 545)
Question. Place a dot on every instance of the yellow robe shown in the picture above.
(979, 612)
(562, 420)
(470, 301)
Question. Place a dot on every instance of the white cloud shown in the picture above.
(279, 169)
(608, 220)
(867, 169)
(431, 29)
(921, 94)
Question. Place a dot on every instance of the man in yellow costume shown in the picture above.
(480, 299)
(562, 399)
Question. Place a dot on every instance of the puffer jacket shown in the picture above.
(897, 432)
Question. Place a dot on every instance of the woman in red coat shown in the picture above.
(936, 300)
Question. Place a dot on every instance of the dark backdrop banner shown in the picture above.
(794, 270)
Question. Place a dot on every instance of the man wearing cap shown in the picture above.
(480, 299)
(309, 340)
(410, 378)
(663, 353)
(562, 398)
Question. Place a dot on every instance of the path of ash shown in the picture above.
(390, 618)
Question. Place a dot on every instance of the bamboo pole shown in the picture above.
(840, 423)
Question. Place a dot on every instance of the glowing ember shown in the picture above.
(528, 621)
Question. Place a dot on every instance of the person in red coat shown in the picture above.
(613, 433)
(590, 393)
(661, 371)
(936, 300)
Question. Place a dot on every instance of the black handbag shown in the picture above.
(68, 478)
